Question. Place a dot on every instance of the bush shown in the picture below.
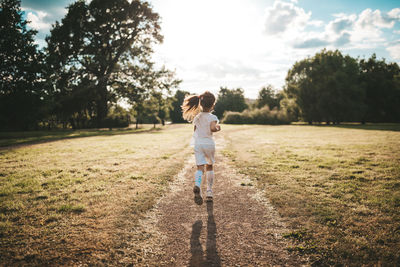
(257, 116)
(116, 122)
(117, 117)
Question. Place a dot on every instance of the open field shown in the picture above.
(339, 187)
(80, 198)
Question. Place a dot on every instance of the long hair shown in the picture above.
(194, 104)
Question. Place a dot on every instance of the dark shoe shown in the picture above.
(196, 189)
(197, 195)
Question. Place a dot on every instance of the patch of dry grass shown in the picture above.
(78, 199)
(339, 187)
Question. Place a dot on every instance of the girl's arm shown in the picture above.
(214, 127)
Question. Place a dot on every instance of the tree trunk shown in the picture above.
(101, 104)
(72, 122)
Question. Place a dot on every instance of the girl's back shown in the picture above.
(202, 121)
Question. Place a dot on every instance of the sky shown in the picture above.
(249, 44)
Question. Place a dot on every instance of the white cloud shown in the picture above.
(284, 16)
(360, 31)
(316, 23)
(367, 30)
(341, 23)
(394, 51)
(343, 39)
(234, 70)
(37, 21)
(369, 19)
(394, 13)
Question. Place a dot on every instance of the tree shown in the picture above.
(380, 80)
(150, 111)
(147, 85)
(290, 106)
(326, 88)
(268, 97)
(162, 104)
(229, 100)
(22, 96)
(94, 48)
(175, 112)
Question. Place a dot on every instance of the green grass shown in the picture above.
(337, 186)
(74, 193)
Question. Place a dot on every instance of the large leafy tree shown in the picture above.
(326, 88)
(230, 100)
(381, 82)
(21, 92)
(99, 52)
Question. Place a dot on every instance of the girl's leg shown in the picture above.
(210, 178)
(198, 175)
(197, 183)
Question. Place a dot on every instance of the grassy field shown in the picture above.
(338, 187)
(80, 195)
(70, 199)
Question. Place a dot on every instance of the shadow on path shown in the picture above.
(211, 258)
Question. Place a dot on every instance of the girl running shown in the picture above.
(197, 109)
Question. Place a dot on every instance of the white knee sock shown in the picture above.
(210, 179)
(197, 178)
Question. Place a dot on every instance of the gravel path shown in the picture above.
(239, 228)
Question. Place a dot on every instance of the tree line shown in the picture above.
(97, 56)
(328, 87)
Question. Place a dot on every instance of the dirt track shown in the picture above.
(239, 228)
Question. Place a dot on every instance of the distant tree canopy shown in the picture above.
(229, 100)
(175, 112)
(331, 87)
(22, 96)
(267, 96)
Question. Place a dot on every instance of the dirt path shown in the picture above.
(239, 228)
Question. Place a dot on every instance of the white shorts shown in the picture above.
(204, 154)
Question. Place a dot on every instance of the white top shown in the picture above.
(203, 134)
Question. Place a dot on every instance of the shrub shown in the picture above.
(257, 116)
(118, 117)
(116, 122)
